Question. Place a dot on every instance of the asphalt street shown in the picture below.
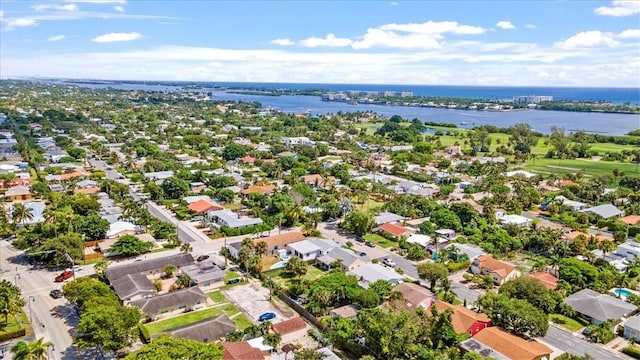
(567, 342)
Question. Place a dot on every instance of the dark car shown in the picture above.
(362, 254)
(360, 239)
(234, 280)
(202, 258)
(56, 293)
(369, 243)
(267, 316)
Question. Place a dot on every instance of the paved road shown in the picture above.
(566, 342)
(464, 293)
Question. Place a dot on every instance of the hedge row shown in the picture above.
(12, 334)
(144, 333)
(245, 230)
(632, 351)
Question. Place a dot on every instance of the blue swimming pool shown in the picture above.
(278, 265)
(622, 292)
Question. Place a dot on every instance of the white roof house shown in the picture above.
(575, 205)
(516, 220)
(120, 227)
(311, 249)
(420, 239)
(606, 211)
(230, 219)
(369, 273)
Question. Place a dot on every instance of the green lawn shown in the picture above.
(370, 204)
(568, 323)
(589, 167)
(13, 323)
(190, 318)
(242, 322)
(217, 297)
(233, 206)
(231, 275)
(380, 241)
(280, 277)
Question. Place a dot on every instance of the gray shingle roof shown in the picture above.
(148, 265)
(200, 273)
(208, 330)
(598, 306)
(347, 257)
(386, 217)
(154, 305)
(606, 211)
(130, 285)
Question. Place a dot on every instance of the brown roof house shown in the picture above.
(495, 343)
(501, 272)
(240, 351)
(415, 296)
(549, 281)
(291, 330)
(18, 193)
(463, 319)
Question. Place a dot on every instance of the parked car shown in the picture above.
(234, 280)
(369, 243)
(362, 254)
(389, 262)
(67, 274)
(202, 258)
(267, 316)
(360, 239)
(56, 293)
(75, 268)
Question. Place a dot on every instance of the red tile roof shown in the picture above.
(248, 159)
(548, 280)
(282, 239)
(631, 220)
(461, 318)
(393, 229)
(289, 326)
(203, 206)
(496, 266)
(511, 346)
(240, 351)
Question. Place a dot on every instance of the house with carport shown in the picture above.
(161, 306)
(501, 272)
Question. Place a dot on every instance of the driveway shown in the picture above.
(253, 300)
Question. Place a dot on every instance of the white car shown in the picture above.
(389, 262)
(76, 268)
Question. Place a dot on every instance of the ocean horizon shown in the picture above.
(615, 95)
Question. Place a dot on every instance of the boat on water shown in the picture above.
(464, 123)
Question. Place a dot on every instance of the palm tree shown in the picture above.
(186, 248)
(21, 214)
(261, 248)
(32, 350)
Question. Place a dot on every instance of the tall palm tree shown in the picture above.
(32, 350)
(21, 214)
(186, 248)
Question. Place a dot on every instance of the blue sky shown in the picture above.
(519, 43)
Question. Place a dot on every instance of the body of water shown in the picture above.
(542, 121)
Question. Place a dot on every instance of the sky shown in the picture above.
(490, 43)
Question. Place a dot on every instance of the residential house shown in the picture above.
(496, 343)
(464, 320)
(454, 150)
(260, 189)
(37, 212)
(18, 193)
(149, 267)
(368, 273)
(132, 287)
(549, 281)
(515, 220)
(606, 211)
(632, 328)
(291, 330)
(191, 199)
(121, 228)
(87, 187)
(232, 220)
(301, 140)
(349, 311)
(204, 207)
(158, 176)
(446, 233)
(597, 307)
(387, 217)
(420, 239)
(197, 186)
(629, 250)
(393, 230)
(8, 147)
(501, 272)
(157, 307)
(207, 330)
(631, 220)
(205, 275)
(571, 204)
(315, 181)
(415, 296)
(241, 350)
(311, 249)
(275, 243)
(348, 259)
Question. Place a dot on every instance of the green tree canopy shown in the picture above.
(108, 327)
(165, 347)
(129, 245)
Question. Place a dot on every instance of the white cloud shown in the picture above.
(20, 22)
(1, 14)
(435, 27)
(619, 8)
(67, 7)
(282, 42)
(56, 38)
(119, 8)
(98, 1)
(116, 37)
(629, 34)
(330, 41)
(393, 3)
(380, 38)
(505, 25)
(531, 26)
(589, 39)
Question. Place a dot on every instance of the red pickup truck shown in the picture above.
(64, 276)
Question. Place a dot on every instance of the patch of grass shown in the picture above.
(217, 297)
(370, 204)
(589, 167)
(567, 322)
(233, 206)
(231, 275)
(190, 318)
(14, 324)
(380, 241)
(242, 322)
